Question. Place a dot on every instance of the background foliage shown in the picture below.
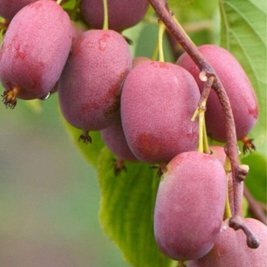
(127, 200)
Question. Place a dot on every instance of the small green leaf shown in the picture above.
(256, 179)
(244, 34)
(90, 151)
(126, 212)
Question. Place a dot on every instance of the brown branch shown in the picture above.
(254, 207)
(206, 90)
(231, 148)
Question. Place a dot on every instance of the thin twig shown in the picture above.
(254, 207)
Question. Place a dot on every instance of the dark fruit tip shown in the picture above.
(252, 242)
(181, 264)
(85, 138)
(119, 166)
(9, 97)
(160, 168)
(248, 145)
(128, 40)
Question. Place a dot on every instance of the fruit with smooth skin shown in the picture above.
(35, 49)
(157, 103)
(218, 153)
(115, 140)
(90, 86)
(139, 60)
(230, 248)
(190, 205)
(122, 14)
(237, 85)
(9, 8)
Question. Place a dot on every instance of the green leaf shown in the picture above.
(256, 179)
(192, 10)
(243, 32)
(90, 151)
(199, 18)
(126, 213)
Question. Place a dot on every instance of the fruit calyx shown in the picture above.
(85, 138)
(119, 166)
(160, 168)
(9, 97)
(248, 145)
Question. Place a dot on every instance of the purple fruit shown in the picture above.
(90, 86)
(9, 8)
(157, 103)
(139, 60)
(114, 138)
(35, 50)
(190, 205)
(237, 86)
(230, 248)
(122, 13)
(218, 153)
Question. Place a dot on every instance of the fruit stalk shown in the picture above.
(179, 34)
(200, 112)
(105, 22)
(160, 41)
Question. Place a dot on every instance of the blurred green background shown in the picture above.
(49, 195)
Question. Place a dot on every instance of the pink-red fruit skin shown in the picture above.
(122, 14)
(218, 153)
(190, 205)
(114, 138)
(9, 8)
(90, 86)
(238, 87)
(157, 103)
(231, 250)
(35, 49)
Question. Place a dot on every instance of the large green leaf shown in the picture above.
(90, 151)
(256, 179)
(199, 17)
(193, 10)
(126, 213)
(244, 34)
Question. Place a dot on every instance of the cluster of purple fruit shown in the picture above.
(143, 109)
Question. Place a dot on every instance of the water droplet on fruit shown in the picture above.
(45, 97)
